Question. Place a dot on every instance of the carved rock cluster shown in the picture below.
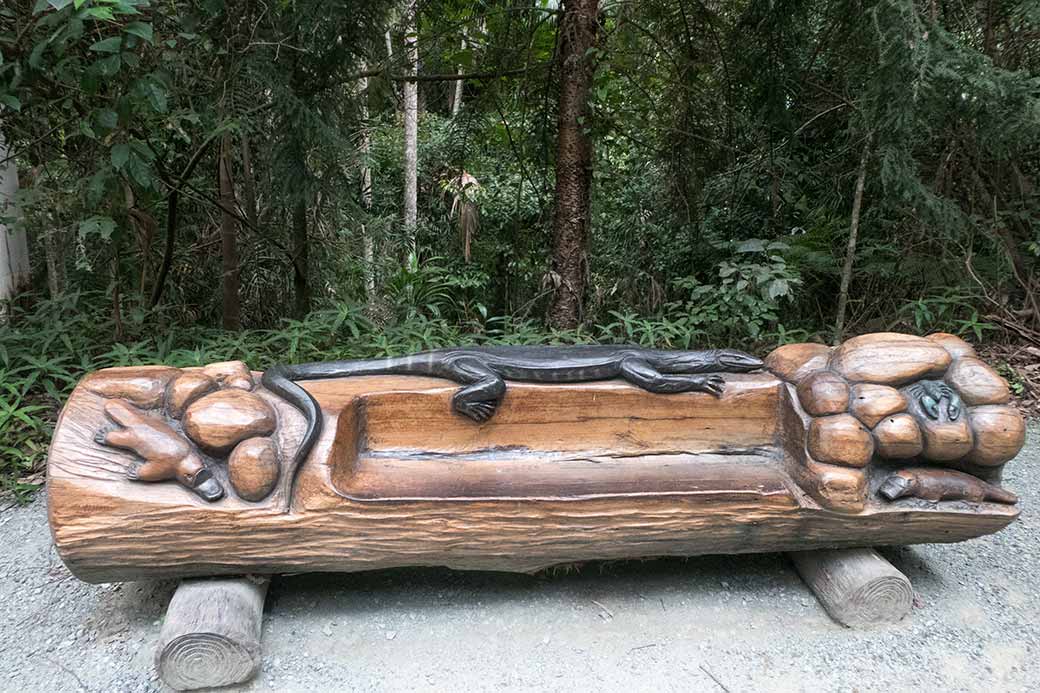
(862, 403)
(218, 412)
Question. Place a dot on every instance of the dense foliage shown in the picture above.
(728, 138)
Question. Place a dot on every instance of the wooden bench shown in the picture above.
(887, 439)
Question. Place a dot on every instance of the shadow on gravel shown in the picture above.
(411, 588)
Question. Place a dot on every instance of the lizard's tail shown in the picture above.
(281, 381)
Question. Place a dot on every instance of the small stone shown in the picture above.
(144, 386)
(1000, 433)
(185, 389)
(792, 362)
(977, 383)
(391, 634)
(822, 393)
(233, 374)
(871, 403)
(956, 346)
(840, 439)
(946, 440)
(889, 358)
(898, 437)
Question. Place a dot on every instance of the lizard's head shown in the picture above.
(733, 361)
(713, 361)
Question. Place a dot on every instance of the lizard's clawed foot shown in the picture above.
(712, 384)
(674, 384)
(480, 410)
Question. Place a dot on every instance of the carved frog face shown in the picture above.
(942, 419)
(935, 400)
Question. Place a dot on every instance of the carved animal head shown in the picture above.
(715, 360)
(202, 482)
(895, 486)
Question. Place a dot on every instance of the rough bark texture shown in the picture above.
(14, 250)
(231, 308)
(578, 29)
(300, 250)
(411, 127)
(211, 634)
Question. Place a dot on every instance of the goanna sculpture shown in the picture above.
(485, 370)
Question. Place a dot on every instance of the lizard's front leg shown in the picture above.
(481, 397)
(639, 372)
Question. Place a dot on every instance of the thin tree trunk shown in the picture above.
(249, 184)
(368, 245)
(456, 101)
(54, 248)
(411, 130)
(850, 251)
(117, 298)
(301, 288)
(14, 248)
(578, 27)
(230, 308)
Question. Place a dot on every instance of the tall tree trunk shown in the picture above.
(456, 101)
(249, 184)
(850, 251)
(368, 246)
(14, 248)
(578, 27)
(54, 248)
(300, 243)
(230, 307)
(411, 129)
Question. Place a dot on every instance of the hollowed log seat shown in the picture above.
(561, 473)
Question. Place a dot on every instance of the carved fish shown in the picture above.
(942, 484)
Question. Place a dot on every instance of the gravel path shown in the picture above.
(707, 624)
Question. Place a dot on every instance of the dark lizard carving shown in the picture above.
(484, 372)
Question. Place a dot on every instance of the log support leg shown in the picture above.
(211, 635)
(857, 587)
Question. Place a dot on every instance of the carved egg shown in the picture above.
(977, 383)
(889, 358)
(253, 468)
(840, 439)
(185, 389)
(792, 362)
(823, 392)
(898, 437)
(956, 346)
(870, 403)
(218, 421)
(1000, 433)
(144, 386)
(234, 374)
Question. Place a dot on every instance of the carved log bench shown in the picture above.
(887, 439)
